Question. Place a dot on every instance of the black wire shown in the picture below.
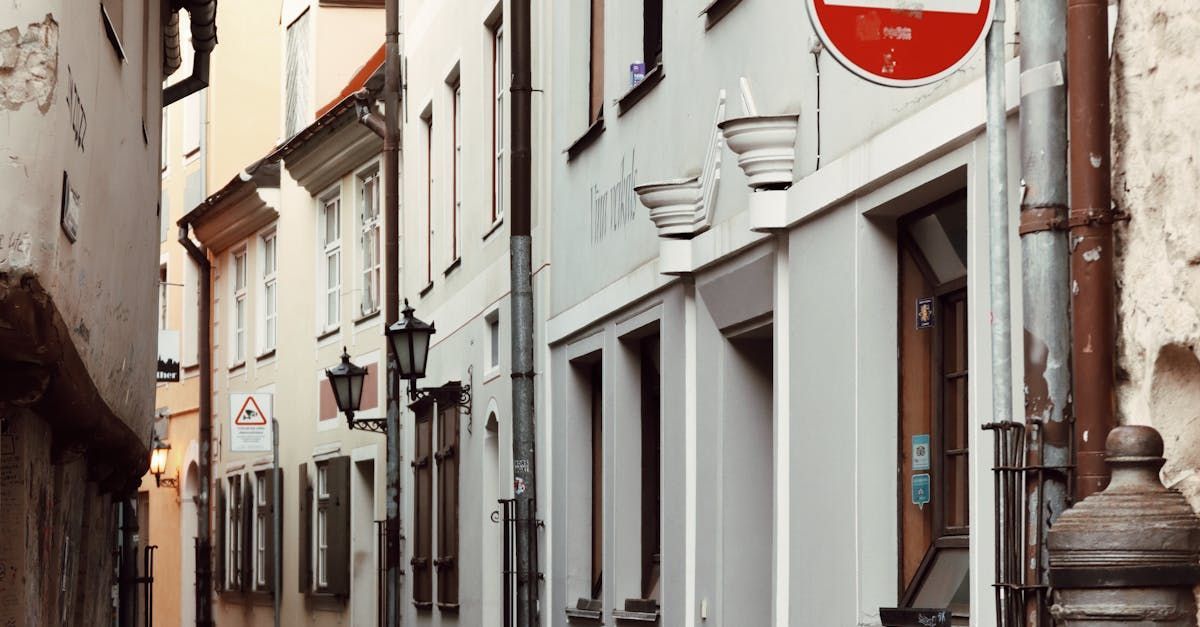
(817, 63)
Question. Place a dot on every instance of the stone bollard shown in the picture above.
(1129, 555)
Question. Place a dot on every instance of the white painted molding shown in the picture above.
(675, 256)
(765, 146)
(768, 210)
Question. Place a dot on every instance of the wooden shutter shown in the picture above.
(596, 58)
(447, 457)
(222, 516)
(274, 481)
(337, 518)
(246, 518)
(422, 586)
(304, 555)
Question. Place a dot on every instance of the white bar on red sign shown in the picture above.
(937, 6)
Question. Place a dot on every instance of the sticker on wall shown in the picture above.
(925, 313)
(920, 452)
(920, 489)
(519, 486)
(250, 415)
(69, 212)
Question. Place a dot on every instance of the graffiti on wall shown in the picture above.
(78, 114)
(15, 248)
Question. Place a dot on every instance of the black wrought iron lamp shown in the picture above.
(409, 340)
(158, 463)
(346, 380)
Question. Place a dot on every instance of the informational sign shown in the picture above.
(250, 415)
(901, 43)
(920, 452)
(925, 319)
(920, 489)
(168, 356)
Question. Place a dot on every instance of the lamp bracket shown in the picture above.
(452, 393)
(374, 425)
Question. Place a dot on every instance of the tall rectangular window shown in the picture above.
(164, 155)
(331, 259)
(493, 330)
(239, 306)
(429, 199)
(192, 124)
(596, 63)
(498, 82)
(652, 30)
(322, 545)
(269, 244)
(369, 243)
(597, 467)
(162, 296)
(297, 75)
(651, 505)
(456, 208)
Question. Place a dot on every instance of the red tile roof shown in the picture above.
(357, 81)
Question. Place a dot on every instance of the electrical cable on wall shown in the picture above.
(816, 49)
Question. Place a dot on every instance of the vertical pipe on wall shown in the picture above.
(1001, 305)
(1091, 240)
(1045, 275)
(521, 282)
(391, 301)
(204, 342)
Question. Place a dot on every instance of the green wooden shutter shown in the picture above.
(304, 552)
(338, 519)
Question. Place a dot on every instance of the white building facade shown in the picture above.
(740, 380)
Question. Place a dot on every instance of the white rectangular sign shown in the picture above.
(942, 6)
(250, 418)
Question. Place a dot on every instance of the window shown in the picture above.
(652, 30)
(369, 242)
(297, 76)
(269, 292)
(322, 526)
(325, 533)
(429, 199)
(498, 137)
(651, 505)
(238, 351)
(164, 141)
(934, 422)
(493, 331)
(192, 124)
(422, 465)
(596, 63)
(456, 206)
(597, 464)
(331, 259)
(162, 297)
(261, 523)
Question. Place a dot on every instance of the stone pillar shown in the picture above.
(1129, 555)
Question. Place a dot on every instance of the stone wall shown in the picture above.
(58, 531)
(1156, 177)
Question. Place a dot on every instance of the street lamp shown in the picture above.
(158, 462)
(346, 380)
(409, 341)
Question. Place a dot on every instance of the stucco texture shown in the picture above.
(1156, 93)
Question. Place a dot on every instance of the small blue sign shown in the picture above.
(920, 452)
(920, 489)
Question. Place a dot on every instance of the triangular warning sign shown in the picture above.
(250, 414)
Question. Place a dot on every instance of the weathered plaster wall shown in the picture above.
(1156, 94)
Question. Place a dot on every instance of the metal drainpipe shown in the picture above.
(1045, 275)
(391, 302)
(1091, 240)
(203, 15)
(521, 283)
(203, 528)
(1000, 288)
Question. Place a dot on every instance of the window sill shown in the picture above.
(491, 374)
(716, 10)
(423, 606)
(366, 317)
(448, 607)
(577, 616)
(266, 355)
(587, 139)
(328, 333)
(493, 228)
(194, 154)
(639, 91)
(237, 368)
(453, 266)
(425, 290)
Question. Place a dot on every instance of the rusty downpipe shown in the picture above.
(1091, 241)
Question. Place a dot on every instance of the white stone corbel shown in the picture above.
(766, 150)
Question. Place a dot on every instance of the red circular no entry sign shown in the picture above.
(901, 43)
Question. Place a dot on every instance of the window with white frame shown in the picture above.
(164, 156)
(269, 296)
(493, 331)
(498, 122)
(238, 352)
(369, 242)
(456, 209)
(162, 296)
(192, 124)
(322, 545)
(331, 259)
(261, 520)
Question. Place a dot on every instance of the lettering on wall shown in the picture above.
(78, 114)
(14, 248)
(612, 207)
